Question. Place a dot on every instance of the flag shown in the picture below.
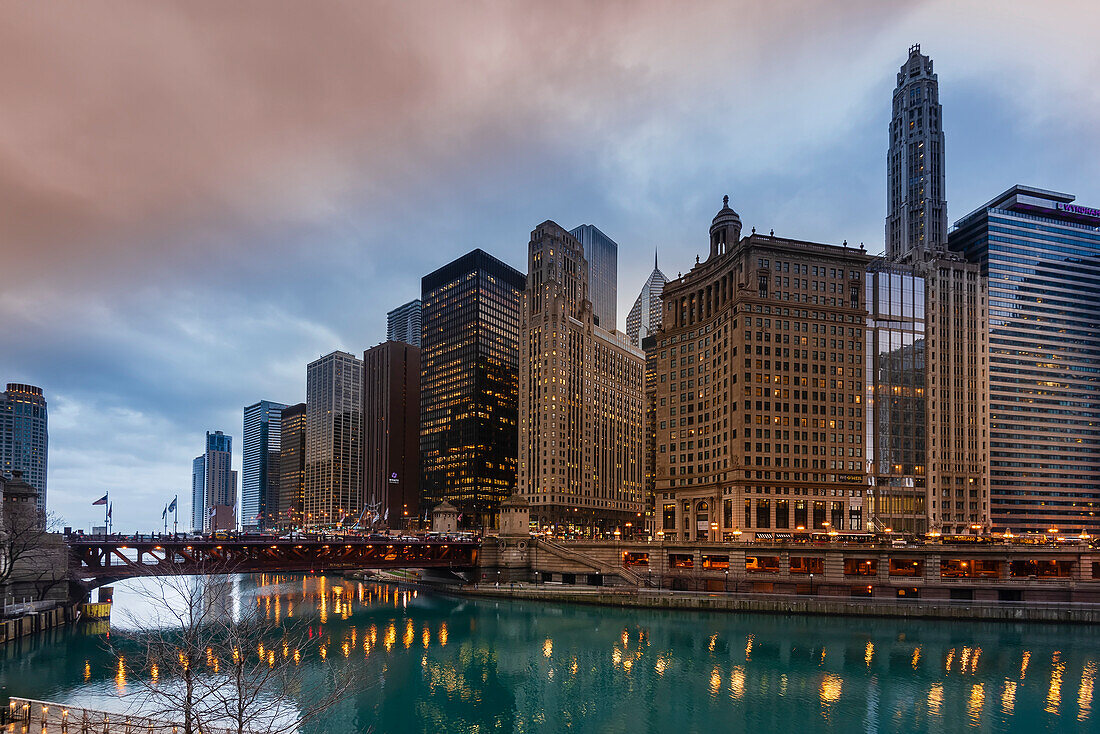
(387, 518)
(211, 512)
(110, 509)
(101, 501)
(171, 506)
(164, 515)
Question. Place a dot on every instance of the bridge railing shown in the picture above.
(48, 716)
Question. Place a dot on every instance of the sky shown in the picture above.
(199, 198)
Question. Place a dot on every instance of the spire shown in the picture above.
(655, 257)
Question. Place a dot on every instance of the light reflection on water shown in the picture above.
(428, 663)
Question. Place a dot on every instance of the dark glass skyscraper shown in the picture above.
(260, 464)
(469, 384)
(292, 466)
(602, 255)
(24, 436)
(1041, 254)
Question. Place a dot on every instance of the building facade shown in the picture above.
(469, 370)
(760, 389)
(916, 201)
(644, 318)
(956, 388)
(581, 411)
(602, 254)
(214, 486)
(403, 324)
(260, 464)
(25, 436)
(333, 494)
(649, 348)
(391, 434)
(292, 467)
(895, 406)
(1040, 254)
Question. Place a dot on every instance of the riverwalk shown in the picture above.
(1056, 612)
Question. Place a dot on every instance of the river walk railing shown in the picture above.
(48, 717)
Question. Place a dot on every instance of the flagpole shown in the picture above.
(166, 519)
(105, 510)
(175, 514)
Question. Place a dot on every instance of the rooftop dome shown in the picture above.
(725, 230)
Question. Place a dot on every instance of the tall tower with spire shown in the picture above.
(645, 315)
(916, 198)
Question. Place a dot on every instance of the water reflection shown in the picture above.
(426, 663)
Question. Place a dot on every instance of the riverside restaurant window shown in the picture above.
(681, 560)
(860, 567)
(717, 562)
(965, 568)
(807, 564)
(1051, 569)
(762, 564)
(635, 559)
(906, 567)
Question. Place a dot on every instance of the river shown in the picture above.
(424, 662)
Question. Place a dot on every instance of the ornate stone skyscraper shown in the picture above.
(956, 389)
(916, 217)
(580, 397)
(645, 316)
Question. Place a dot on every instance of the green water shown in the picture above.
(428, 663)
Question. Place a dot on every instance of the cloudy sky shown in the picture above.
(196, 199)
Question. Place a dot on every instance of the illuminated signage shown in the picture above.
(1080, 210)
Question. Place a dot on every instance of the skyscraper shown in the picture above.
(292, 466)
(198, 493)
(602, 255)
(916, 216)
(955, 309)
(391, 432)
(403, 324)
(260, 464)
(581, 421)
(334, 458)
(644, 318)
(1041, 255)
(760, 423)
(214, 485)
(24, 436)
(469, 368)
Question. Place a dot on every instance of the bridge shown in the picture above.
(105, 560)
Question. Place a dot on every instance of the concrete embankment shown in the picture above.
(915, 609)
(29, 624)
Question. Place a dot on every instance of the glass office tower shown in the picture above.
(260, 464)
(24, 436)
(895, 405)
(602, 254)
(1041, 254)
(469, 367)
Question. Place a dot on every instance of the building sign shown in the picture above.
(393, 478)
(1083, 211)
(857, 478)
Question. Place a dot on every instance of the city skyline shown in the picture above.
(153, 377)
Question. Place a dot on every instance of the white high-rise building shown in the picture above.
(644, 318)
(403, 323)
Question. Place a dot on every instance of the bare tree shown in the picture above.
(31, 552)
(208, 663)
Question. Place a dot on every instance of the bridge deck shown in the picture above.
(121, 558)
